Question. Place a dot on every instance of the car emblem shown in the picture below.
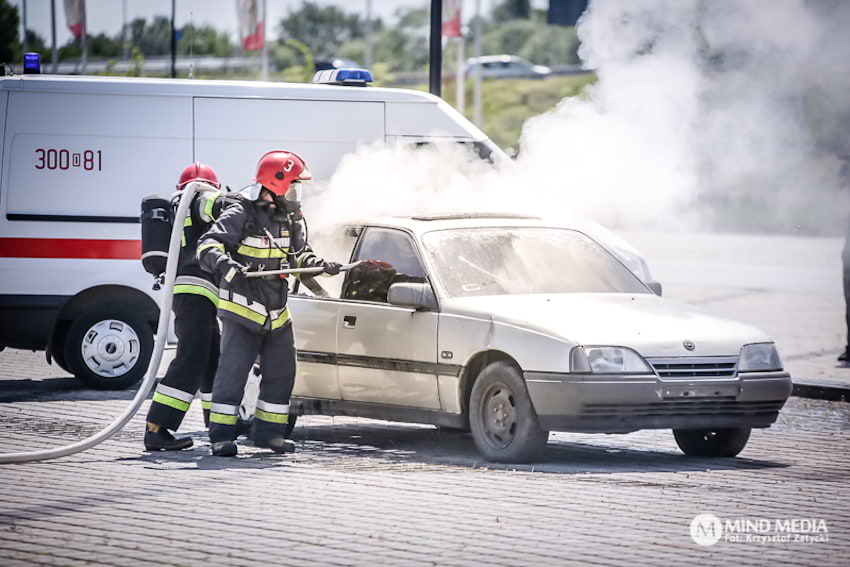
(689, 345)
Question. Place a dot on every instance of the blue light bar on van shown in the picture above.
(32, 63)
(346, 77)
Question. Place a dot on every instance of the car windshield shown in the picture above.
(513, 261)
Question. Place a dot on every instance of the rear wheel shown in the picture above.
(109, 347)
(503, 421)
(712, 442)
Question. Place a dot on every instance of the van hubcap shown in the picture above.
(499, 416)
(110, 348)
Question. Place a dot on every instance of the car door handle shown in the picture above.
(348, 321)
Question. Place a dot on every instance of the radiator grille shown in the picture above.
(684, 407)
(687, 367)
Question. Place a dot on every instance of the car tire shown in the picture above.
(501, 417)
(109, 348)
(712, 442)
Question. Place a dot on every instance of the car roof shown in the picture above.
(427, 223)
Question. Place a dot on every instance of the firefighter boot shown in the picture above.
(224, 449)
(160, 439)
(271, 436)
(243, 427)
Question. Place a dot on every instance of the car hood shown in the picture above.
(652, 325)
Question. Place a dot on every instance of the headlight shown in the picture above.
(759, 357)
(607, 360)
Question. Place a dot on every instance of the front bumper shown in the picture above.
(621, 404)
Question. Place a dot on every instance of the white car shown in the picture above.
(514, 327)
(506, 67)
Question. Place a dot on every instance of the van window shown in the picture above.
(399, 262)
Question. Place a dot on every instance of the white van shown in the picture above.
(79, 153)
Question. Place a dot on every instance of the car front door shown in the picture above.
(386, 353)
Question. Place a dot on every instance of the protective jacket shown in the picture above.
(254, 236)
(205, 209)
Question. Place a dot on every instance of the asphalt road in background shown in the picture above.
(368, 492)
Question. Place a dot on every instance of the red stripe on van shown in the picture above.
(70, 248)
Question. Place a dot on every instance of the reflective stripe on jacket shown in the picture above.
(258, 237)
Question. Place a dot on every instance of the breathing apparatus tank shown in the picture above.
(156, 219)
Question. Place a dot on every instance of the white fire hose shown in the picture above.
(156, 356)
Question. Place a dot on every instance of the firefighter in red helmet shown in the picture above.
(195, 299)
(262, 233)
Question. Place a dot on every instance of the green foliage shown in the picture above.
(509, 10)
(507, 104)
(10, 45)
(404, 47)
(153, 38)
(534, 40)
(204, 40)
(324, 29)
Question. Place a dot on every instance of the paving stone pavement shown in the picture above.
(362, 492)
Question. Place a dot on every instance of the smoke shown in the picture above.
(725, 114)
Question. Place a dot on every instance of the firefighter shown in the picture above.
(195, 300)
(844, 178)
(264, 232)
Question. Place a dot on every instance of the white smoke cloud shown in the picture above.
(722, 113)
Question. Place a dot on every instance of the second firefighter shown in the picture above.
(264, 232)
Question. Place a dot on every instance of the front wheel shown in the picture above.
(712, 442)
(502, 419)
(109, 348)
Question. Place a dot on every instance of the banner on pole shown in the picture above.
(252, 24)
(451, 18)
(75, 16)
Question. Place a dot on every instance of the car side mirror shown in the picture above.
(416, 295)
(655, 286)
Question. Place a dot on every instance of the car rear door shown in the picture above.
(386, 353)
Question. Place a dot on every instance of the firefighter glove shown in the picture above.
(332, 268)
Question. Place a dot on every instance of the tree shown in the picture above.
(10, 44)
(512, 10)
(153, 38)
(204, 40)
(324, 29)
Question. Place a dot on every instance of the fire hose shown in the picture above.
(159, 345)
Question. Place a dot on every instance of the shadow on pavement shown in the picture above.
(57, 389)
(387, 445)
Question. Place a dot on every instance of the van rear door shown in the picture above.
(231, 134)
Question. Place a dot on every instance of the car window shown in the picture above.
(525, 260)
(387, 256)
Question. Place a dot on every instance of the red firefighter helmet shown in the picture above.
(198, 172)
(277, 169)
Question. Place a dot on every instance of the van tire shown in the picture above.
(109, 347)
(502, 418)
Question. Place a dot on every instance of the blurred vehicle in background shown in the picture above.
(337, 63)
(506, 67)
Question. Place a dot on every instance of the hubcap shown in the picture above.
(110, 348)
(499, 416)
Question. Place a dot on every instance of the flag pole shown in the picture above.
(435, 70)
(265, 53)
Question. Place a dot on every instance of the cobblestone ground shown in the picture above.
(371, 492)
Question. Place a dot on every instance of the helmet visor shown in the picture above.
(293, 194)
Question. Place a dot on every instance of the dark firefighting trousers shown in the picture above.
(239, 349)
(194, 365)
(846, 266)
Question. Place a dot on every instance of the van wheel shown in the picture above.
(503, 421)
(712, 442)
(109, 348)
